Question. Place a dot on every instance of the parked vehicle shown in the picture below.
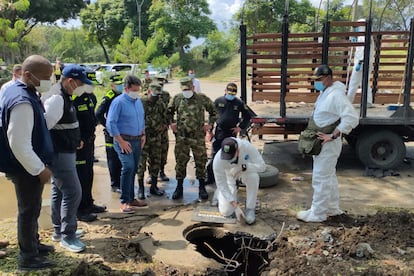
(282, 63)
(103, 72)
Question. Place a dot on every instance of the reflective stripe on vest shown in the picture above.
(67, 126)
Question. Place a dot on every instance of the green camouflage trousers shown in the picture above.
(182, 156)
(151, 153)
(164, 147)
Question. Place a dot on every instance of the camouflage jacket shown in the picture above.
(155, 115)
(189, 114)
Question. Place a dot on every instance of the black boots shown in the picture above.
(154, 189)
(163, 177)
(210, 174)
(178, 193)
(141, 189)
(202, 193)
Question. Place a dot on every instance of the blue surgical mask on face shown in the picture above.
(229, 97)
(191, 75)
(119, 87)
(319, 86)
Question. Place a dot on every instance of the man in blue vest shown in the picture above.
(31, 152)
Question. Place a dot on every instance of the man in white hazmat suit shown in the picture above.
(332, 105)
(357, 71)
(237, 159)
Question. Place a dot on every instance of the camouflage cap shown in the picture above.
(186, 83)
(155, 87)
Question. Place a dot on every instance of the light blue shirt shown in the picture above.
(125, 116)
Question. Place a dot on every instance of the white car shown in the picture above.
(104, 71)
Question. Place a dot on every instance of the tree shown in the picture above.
(131, 10)
(219, 46)
(181, 19)
(130, 49)
(103, 21)
(265, 16)
(9, 31)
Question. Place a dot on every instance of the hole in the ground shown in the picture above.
(240, 253)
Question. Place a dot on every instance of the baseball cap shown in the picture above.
(76, 71)
(231, 87)
(322, 70)
(116, 79)
(186, 83)
(228, 148)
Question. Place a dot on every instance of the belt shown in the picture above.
(130, 137)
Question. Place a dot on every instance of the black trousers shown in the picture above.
(29, 202)
(114, 165)
(84, 167)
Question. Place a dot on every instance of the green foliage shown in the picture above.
(219, 46)
(129, 49)
(265, 16)
(181, 19)
(103, 21)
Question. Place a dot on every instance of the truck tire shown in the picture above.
(382, 149)
(268, 178)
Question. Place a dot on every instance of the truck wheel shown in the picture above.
(268, 178)
(380, 149)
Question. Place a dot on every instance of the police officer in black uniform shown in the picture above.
(114, 165)
(85, 111)
(233, 118)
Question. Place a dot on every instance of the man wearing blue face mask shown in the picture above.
(85, 111)
(332, 110)
(114, 165)
(233, 118)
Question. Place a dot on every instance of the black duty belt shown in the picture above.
(131, 137)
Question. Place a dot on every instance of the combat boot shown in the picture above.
(202, 193)
(178, 193)
(154, 189)
(210, 174)
(163, 177)
(141, 189)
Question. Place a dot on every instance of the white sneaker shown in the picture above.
(250, 216)
(308, 216)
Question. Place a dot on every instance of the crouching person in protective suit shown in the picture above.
(237, 159)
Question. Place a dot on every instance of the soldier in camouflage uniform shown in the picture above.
(155, 122)
(147, 81)
(165, 96)
(186, 113)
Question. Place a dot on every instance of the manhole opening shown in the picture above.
(240, 253)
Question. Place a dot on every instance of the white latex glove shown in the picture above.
(239, 213)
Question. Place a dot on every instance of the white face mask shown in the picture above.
(88, 88)
(188, 94)
(133, 94)
(44, 86)
(79, 90)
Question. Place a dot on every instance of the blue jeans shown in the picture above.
(66, 194)
(130, 162)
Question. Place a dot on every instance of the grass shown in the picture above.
(228, 70)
